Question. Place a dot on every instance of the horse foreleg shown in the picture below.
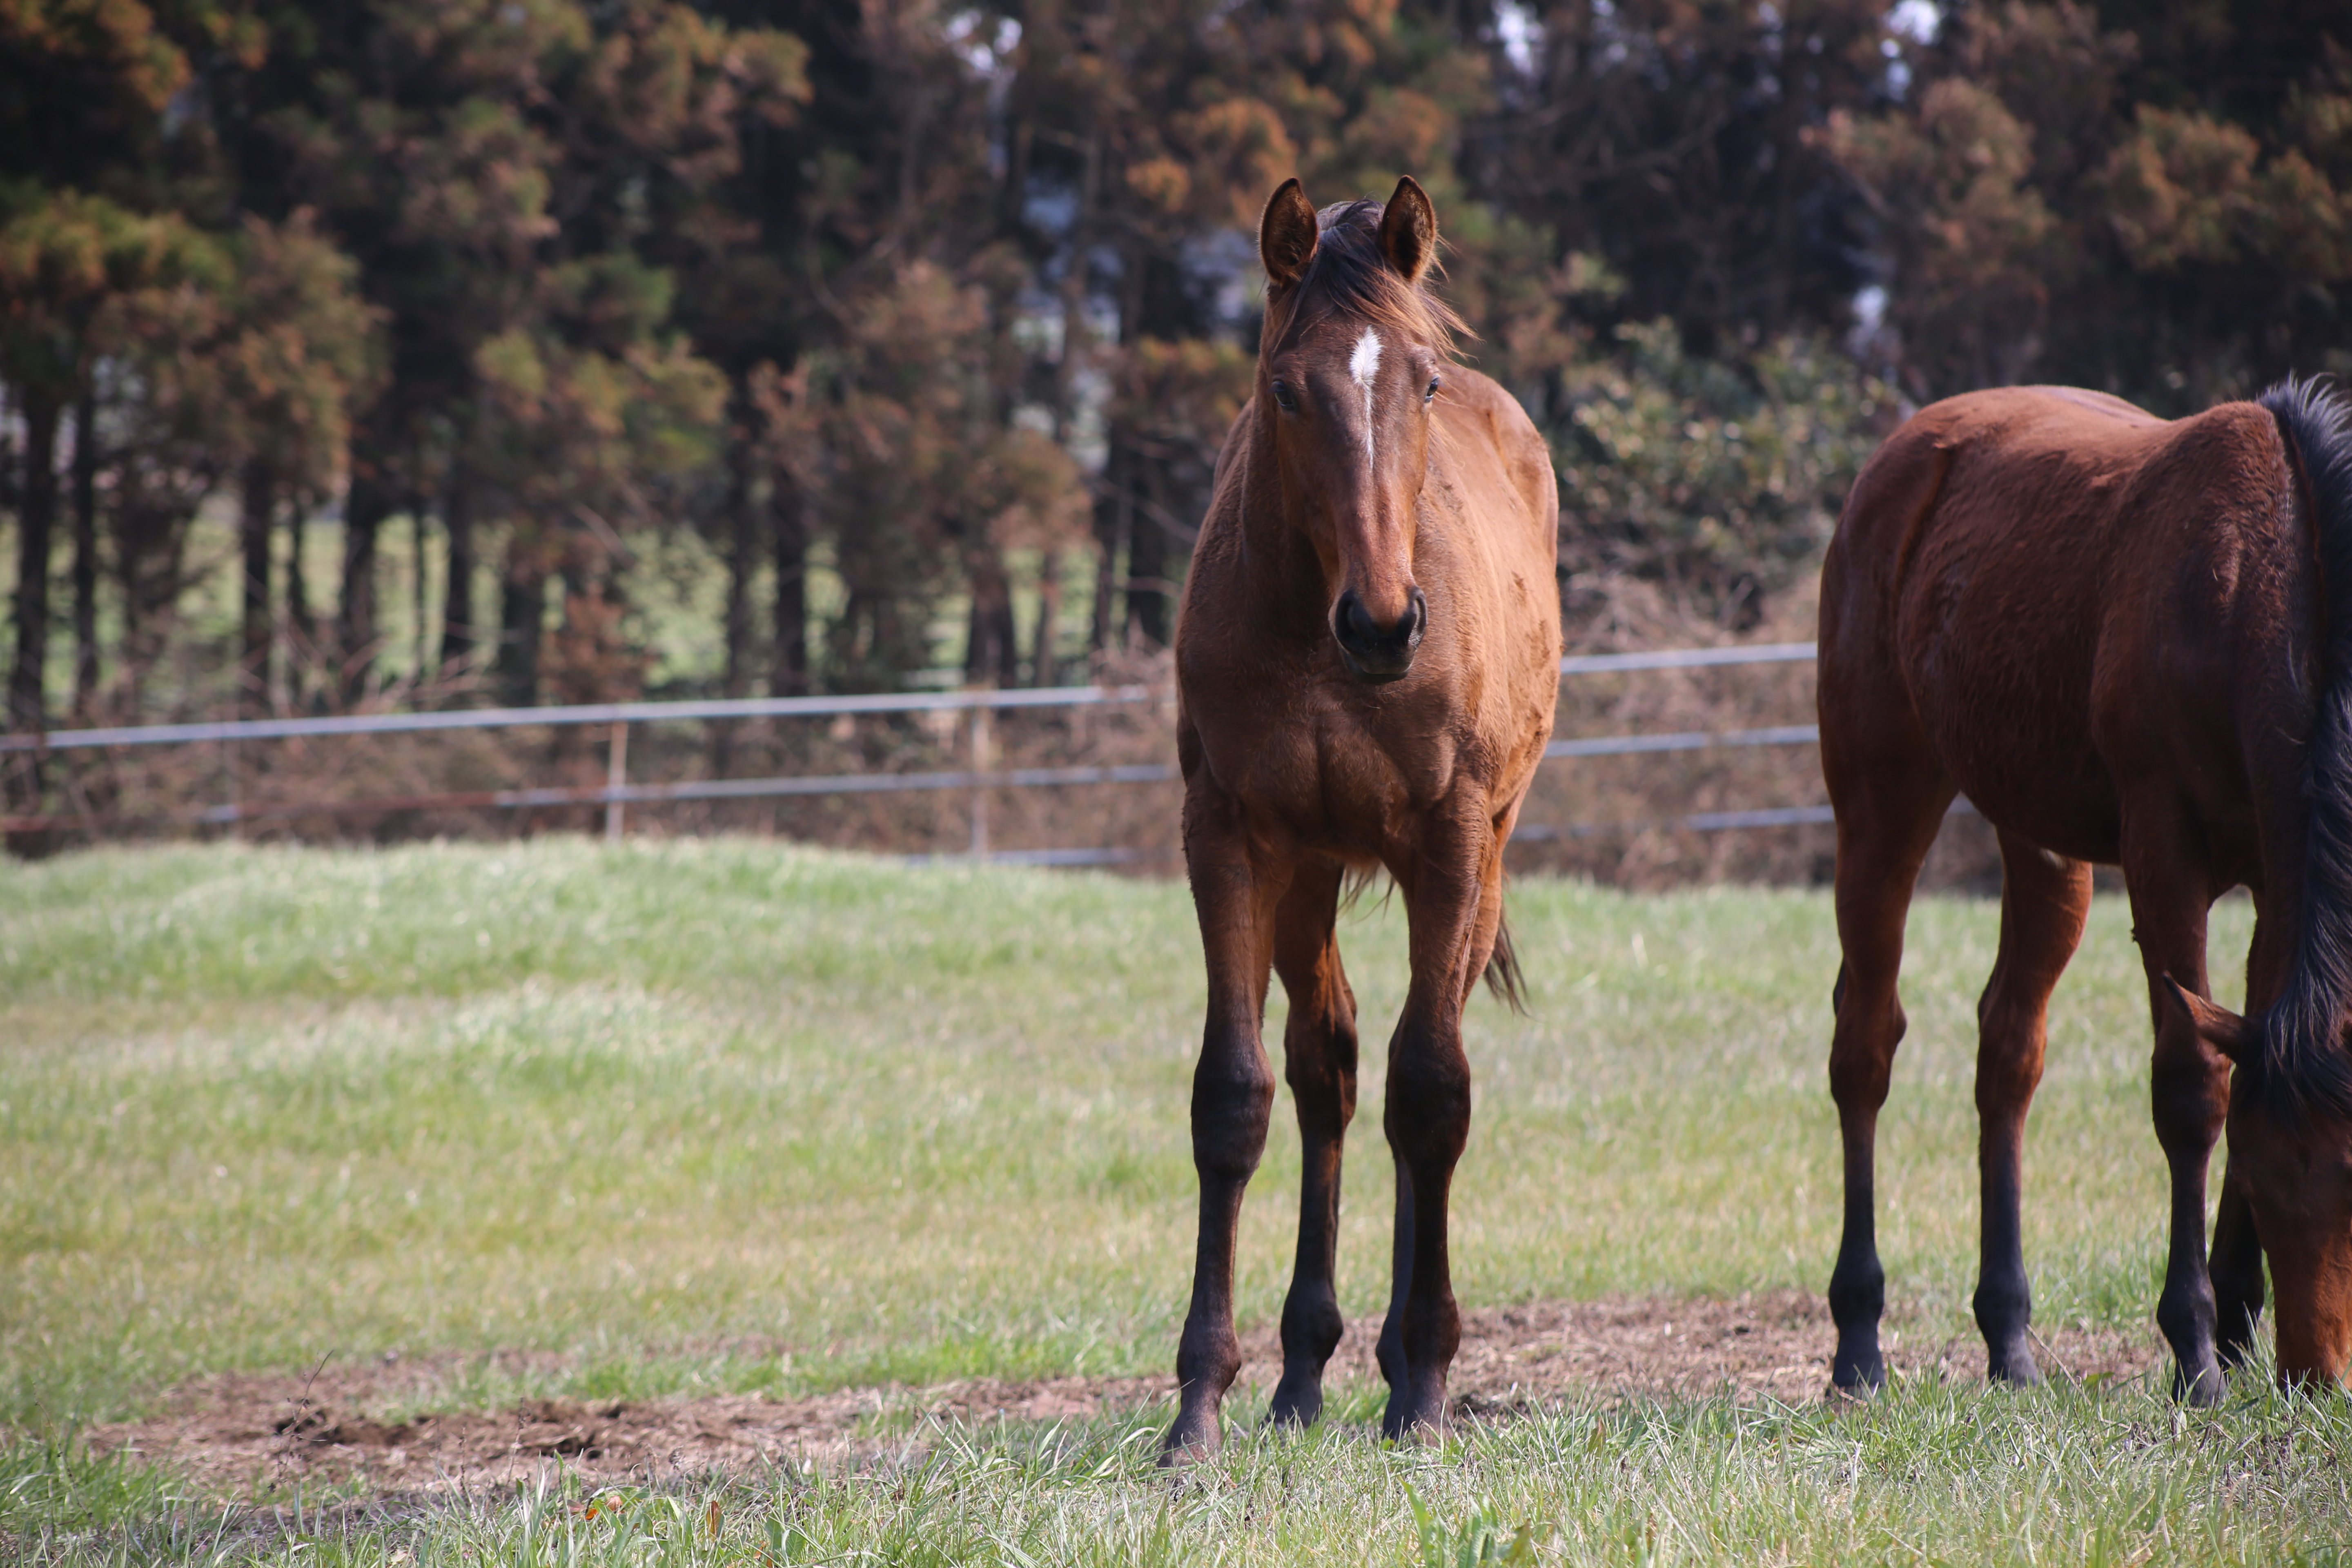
(1233, 1099)
(2236, 1271)
(2044, 899)
(2188, 1083)
(1318, 1047)
(1427, 1118)
(1390, 1352)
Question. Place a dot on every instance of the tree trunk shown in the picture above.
(989, 651)
(367, 504)
(790, 676)
(36, 522)
(85, 563)
(523, 618)
(297, 631)
(457, 594)
(1146, 567)
(260, 505)
(742, 560)
(1114, 526)
(1045, 663)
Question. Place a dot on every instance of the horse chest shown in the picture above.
(1325, 770)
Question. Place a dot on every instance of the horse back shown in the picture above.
(2059, 595)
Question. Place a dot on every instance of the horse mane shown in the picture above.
(1348, 275)
(2303, 1065)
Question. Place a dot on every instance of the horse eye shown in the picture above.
(1282, 395)
(1430, 394)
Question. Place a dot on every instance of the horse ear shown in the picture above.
(2216, 1025)
(1285, 234)
(1409, 230)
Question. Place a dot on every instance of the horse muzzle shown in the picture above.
(1373, 652)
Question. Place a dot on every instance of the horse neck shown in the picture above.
(1284, 575)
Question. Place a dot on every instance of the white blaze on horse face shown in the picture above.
(1364, 365)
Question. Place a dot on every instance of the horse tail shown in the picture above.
(2302, 1063)
(1503, 976)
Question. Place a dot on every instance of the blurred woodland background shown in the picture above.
(391, 353)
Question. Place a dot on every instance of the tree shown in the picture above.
(71, 267)
(2131, 197)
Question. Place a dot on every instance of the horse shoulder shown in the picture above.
(1497, 460)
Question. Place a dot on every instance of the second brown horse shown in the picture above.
(2128, 641)
(1368, 658)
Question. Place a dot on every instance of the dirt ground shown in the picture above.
(232, 1434)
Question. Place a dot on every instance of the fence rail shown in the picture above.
(616, 793)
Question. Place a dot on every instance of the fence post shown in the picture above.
(228, 759)
(617, 774)
(979, 761)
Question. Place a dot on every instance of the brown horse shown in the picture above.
(1366, 660)
(2128, 641)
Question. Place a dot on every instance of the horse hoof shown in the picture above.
(1298, 1403)
(1856, 1377)
(2014, 1367)
(1408, 1421)
(2203, 1391)
(1189, 1442)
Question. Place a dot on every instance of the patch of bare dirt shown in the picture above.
(234, 1434)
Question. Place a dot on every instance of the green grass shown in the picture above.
(722, 1114)
(1929, 1472)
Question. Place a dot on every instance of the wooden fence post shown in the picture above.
(979, 761)
(617, 774)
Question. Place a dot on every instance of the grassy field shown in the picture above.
(722, 1115)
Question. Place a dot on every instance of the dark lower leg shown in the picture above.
(1432, 1328)
(2045, 902)
(2236, 1272)
(1428, 1118)
(1320, 1061)
(2190, 1104)
(1233, 1099)
(2188, 1083)
(1870, 1024)
(1889, 808)
(2004, 1297)
(1311, 1324)
(1858, 1284)
(1230, 1113)
(1390, 1352)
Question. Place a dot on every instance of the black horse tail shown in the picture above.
(2302, 1063)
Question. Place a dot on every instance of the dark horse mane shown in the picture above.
(1348, 275)
(2303, 1065)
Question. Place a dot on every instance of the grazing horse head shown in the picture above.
(1350, 370)
(2290, 1155)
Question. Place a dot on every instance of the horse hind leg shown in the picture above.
(2044, 899)
(1318, 1047)
(1888, 814)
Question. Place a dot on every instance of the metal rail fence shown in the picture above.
(617, 793)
